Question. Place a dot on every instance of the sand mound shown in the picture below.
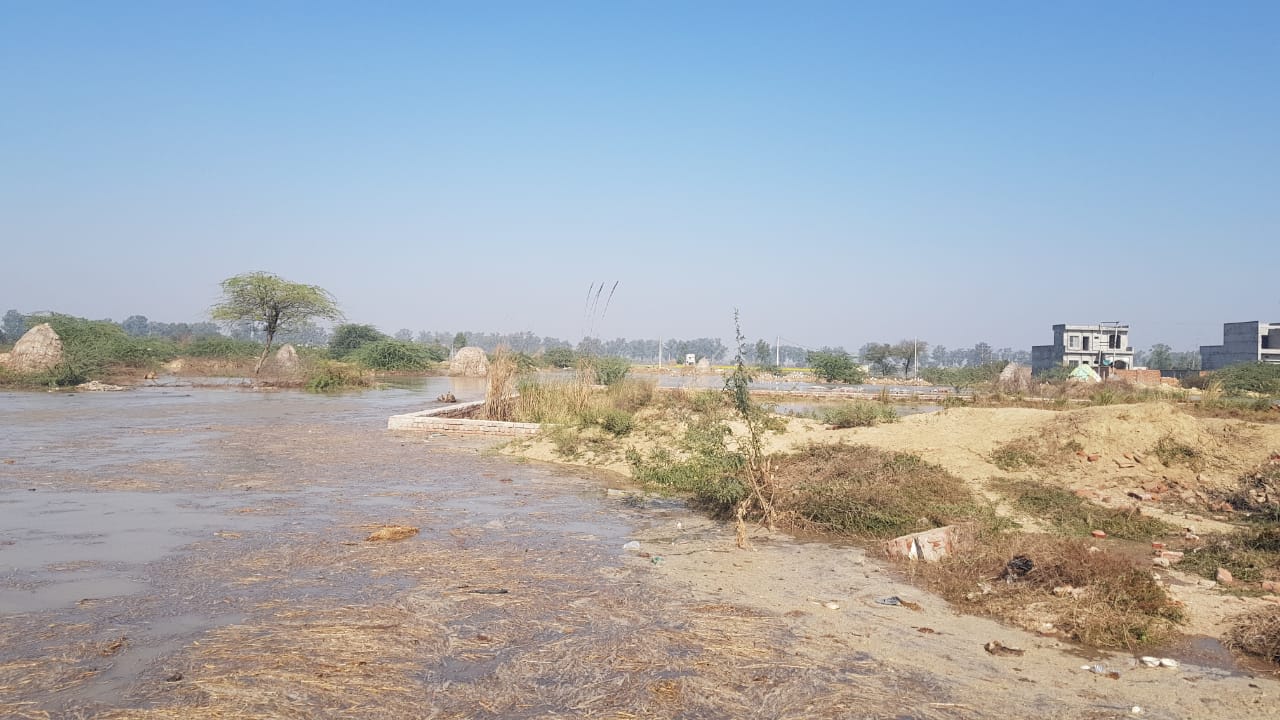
(1217, 450)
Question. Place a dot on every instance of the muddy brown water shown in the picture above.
(138, 528)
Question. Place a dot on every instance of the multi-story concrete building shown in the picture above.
(1243, 342)
(1101, 345)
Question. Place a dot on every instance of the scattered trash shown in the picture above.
(895, 600)
(175, 677)
(1017, 567)
(656, 559)
(926, 630)
(1099, 533)
(392, 532)
(1168, 662)
(1224, 577)
(447, 398)
(1149, 661)
(1096, 669)
(633, 546)
(1136, 709)
(995, 647)
(930, 546)
(489, 591)
(831, 605)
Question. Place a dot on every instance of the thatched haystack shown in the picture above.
(469, 362)
(1015, 378)
(287, 358)
(38, 350)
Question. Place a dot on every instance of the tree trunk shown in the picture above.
(257, 368)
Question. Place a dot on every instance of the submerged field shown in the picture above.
(203, 553)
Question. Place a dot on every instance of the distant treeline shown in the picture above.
(905, 357)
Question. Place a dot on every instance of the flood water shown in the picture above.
(120, 513)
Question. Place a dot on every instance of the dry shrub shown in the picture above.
(870, 493)
(499, 404)
(1101, 599)
(1256, 633)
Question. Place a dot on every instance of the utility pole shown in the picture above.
(777, 354)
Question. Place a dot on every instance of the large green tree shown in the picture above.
(274, 303)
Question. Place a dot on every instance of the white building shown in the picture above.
(1100, 345)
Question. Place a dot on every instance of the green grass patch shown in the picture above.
(1073, 515)
(1250, 554)
(860, 413)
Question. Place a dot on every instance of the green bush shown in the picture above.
(90, 347)
(1261, 378)
(709, 472)
(559, 357)
(965, 376)
(437, 352)
(835, 366)
(858, 414)
(609, 370)
(351, 337)
(615, 422)
(392, 355)
(330, 375)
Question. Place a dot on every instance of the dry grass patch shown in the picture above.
(870, 493)
(1256, 633)
(1091, 596)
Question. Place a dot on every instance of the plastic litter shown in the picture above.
(633, 546)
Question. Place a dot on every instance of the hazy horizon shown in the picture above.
(839, 173)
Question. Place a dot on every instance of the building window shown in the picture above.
(1074, 363)
(1073, 341)
(1085, 339)
(1114, 341)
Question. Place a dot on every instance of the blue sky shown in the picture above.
(841, 172)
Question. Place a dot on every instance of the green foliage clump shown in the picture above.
(615, 422)
(90, 347)
(835, 366)
(330, 375)
(710, 473)
(1076, 516)
(392, 355)
(218, 346)
(965, 376)
(609, 370)
(1249, 554)
(436, 351)
(1261, 378)
(559, 357)
(350, 337)
(858, 414)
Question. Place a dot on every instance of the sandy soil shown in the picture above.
(795, 581)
